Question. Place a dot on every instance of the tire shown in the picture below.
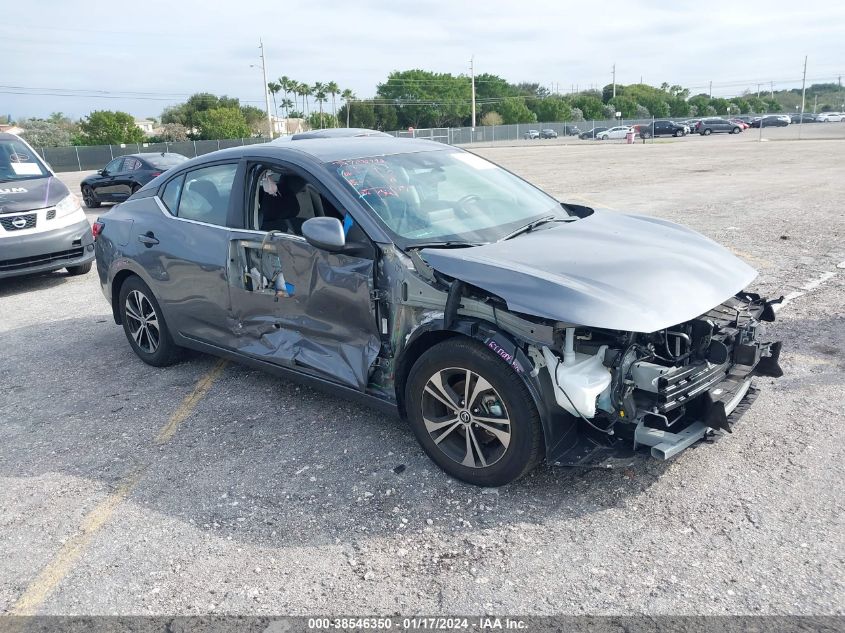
(89, 197)
(707, 132)
(679, 133)
(735, 130)
(511, 450)
(646, 135)
(158, 351)
(82, 269)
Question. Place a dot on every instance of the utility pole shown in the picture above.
(711, 89)
(772, 89)
(614, 80)
(803, 93)
(758, 91)
(266, 88)
(472, 76)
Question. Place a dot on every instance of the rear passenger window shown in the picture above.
(170, 195)
(206, 192)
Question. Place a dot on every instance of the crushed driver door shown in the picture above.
(302, 307)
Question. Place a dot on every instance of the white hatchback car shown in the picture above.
(615, 132)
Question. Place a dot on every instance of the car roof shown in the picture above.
(331, 149)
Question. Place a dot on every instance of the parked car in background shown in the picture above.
(716, 126)
(618, 131)
(591, 133)
(770, 121)
(827, 117)
(125, 175)
(741, 123)
(486, 313)
(548, 134)
(42, 226)
(662, 128)
(691, 124)
(807, 117)
(531, 134)
(571, 130)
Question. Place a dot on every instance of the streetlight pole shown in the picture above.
(472, 79)
(803, 93)
(613, 71)
(266, 89)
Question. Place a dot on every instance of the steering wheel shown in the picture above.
(464, 206)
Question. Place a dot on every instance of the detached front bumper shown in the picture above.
(46, 251)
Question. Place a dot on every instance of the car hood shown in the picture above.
(607, 270)
(35, 193)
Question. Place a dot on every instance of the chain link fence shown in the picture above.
(88, 157)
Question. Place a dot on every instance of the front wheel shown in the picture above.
(472, 414)
(144, 325)
(679, 133)
(90, 198)
(82, 269)
(736, 130)
(707, 132)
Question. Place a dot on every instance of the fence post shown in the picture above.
(78, 162)
(111, 153)
(195, 149)
(166, 148)
(218, 143)
(242, 141)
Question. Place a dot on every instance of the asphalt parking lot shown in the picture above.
(209, 488)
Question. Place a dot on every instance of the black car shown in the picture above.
(706, 127)
(401, 273)
(548, 134)
(571, 130)
(772, 120)
(662, 128)
(125, 175)
(803, 118)
(592, 133)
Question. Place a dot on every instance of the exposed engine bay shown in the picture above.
(664, 389)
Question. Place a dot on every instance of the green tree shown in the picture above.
(679, 107)
(720, 105)
(741, 104)
(171, 133)
(387, 117)
(104, 127)
(320, 97)
(551, 109)
(426, 99)
(348, 96)
(625, 105)
(492, 118)
(590, 106)
(274, 88)
(358, 114)
(756, 105)
(607, 92)
(700, 101)
(322, 120)
(50, 133)
(772, 105)
(514, 110)
(219, 123)
(333, 89)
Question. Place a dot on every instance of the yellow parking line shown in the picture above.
(190, 402)
(73, 549)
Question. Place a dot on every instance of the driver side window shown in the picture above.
(283, 200)
(114, 166)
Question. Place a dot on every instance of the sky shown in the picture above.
(139, 57)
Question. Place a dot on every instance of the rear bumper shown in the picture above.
(43, 252)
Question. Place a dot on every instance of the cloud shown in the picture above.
(170, 49)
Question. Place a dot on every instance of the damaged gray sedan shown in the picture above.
(505, 327)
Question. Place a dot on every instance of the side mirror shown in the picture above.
(103, 172)
(324, 233)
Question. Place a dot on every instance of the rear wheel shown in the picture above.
(90, 198)
(472, 414)
(79, 270)
(144, 325)
(679, 133)
(707, 132)
(735, 130)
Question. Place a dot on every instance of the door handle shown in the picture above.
(148, 239)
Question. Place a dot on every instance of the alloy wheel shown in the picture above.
(465, 417)
(88, 197)
(142, 321)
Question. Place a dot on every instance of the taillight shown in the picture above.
(96, 229)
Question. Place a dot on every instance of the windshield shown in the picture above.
(18, 162)
(444, 196)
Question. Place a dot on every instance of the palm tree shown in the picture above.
(332, 88)
(274, 88)
(320, 97)
(287, 104)
(303, 90)
(348, 96)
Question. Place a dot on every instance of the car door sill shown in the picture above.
(322, 384)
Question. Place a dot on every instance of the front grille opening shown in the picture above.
(77, 242)
(51, 214)
(19, 222)
(40, 260)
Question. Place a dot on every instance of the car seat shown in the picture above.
(200, 191)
